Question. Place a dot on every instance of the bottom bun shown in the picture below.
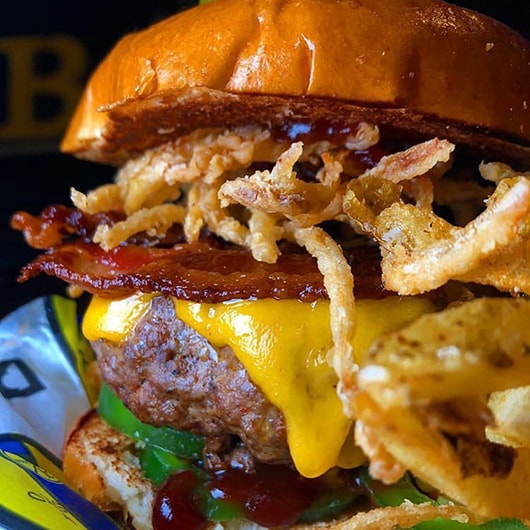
(101, 464)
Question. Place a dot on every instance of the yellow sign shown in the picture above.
(43, 81)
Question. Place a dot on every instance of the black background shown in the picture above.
(34, 174)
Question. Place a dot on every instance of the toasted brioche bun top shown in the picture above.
(415, 65)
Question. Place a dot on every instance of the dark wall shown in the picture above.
(514, 13)
(47, 50)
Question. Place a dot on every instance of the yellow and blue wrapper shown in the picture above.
(44, 388)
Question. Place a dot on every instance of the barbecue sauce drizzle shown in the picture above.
(273, 496)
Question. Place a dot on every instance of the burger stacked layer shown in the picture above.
(308, 303)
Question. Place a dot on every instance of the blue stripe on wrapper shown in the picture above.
(32, 459)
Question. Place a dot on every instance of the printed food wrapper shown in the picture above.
(44, 388)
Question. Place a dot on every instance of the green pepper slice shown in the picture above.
(328, 505)
(217, 510)
(397, 493)
(117, 415)
(157, 464)
(494, 524)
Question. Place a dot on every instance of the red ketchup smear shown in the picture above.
(370, 157)
(173, 507)
(333, 131)
(313, 131)
(274, 496)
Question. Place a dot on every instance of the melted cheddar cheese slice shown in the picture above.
(283, 346)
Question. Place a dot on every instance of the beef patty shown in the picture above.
(168, 374)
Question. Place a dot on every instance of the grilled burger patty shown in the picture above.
(168, 374)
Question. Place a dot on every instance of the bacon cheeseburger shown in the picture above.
(310, 273)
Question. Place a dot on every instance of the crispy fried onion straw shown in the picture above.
(512, 421)
(155, 221)
(415, 169)
(421, 251)
(413, 162)
(204, 155)
(279, 191)
(278, 194)
(382, 465)
(264, 232)
(406, 515)
(217, 218)
(191, 170)
(103, 199)
(338, 281)
(422, 393)
(496, 171)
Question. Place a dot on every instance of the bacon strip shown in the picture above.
(198, 272)
(57, 223)
(207, 271)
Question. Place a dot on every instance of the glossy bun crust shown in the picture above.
(411, 65)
